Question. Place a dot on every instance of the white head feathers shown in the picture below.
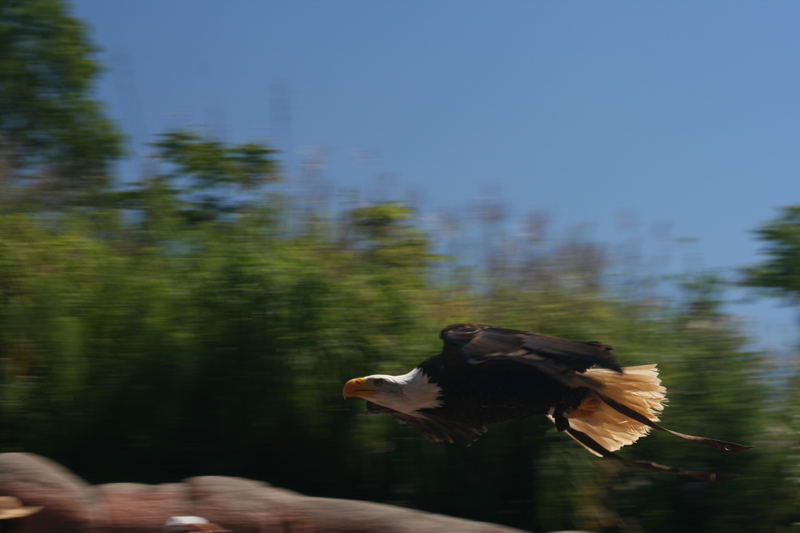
(407, 393)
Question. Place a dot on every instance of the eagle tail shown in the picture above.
(638, 387)
(625, 407)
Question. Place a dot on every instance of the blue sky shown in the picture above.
(679, 115)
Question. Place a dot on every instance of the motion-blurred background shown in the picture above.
(213, 213)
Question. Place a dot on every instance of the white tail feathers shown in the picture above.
(638, 387)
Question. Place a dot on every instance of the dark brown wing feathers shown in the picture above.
(434, 428)
(478, 343)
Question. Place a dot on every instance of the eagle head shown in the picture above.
(407, 393)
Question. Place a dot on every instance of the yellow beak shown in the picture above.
(358, 388)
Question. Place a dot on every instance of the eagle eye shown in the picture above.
(378, 381)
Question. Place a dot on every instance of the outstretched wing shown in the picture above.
(563, 359)
(434, 428)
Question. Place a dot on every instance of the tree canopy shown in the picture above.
(779, 273)
(54, 135)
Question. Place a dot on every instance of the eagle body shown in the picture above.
(493, 391)
(486, 374)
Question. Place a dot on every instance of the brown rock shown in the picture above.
(134, 507)
(240, 505)
(247, 506)
(69, 505)
(350, 516)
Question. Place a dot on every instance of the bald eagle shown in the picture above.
(487, 374)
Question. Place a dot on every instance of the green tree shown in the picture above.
(779, 273)
(54, 137)
(204, 183)
(212, 178)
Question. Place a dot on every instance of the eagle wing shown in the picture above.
(562, 359)
(434, 428)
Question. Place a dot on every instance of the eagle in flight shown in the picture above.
(487, 374)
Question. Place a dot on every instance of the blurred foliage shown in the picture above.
(194, 322)
(780, 272)
(206, 180)
(54, 138)
(779, 275)
(157, 347)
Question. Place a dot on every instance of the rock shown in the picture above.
(69, 502)
(241, 505)
(134, 507)
(345, 516)
(247, 506)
